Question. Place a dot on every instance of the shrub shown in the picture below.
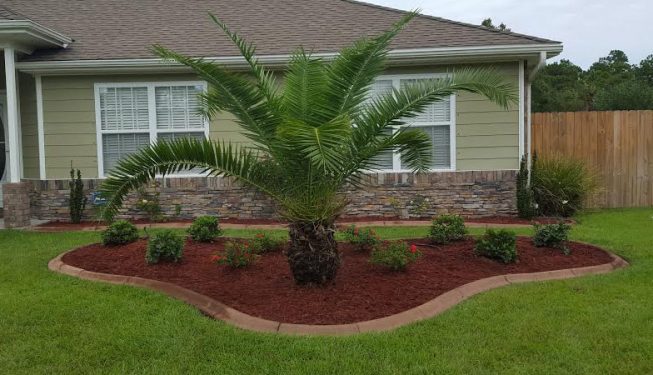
(561, 185)
(237, 254)
(362, 239)
(165, 245)
(149, 203)
(447, 228)
(395, 255)
(78, 200)
(205, 229)
(498, 244)
(525, 204)
(264, 243)
(119, 233)
(552, 235)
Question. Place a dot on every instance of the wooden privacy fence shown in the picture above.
(618, 145)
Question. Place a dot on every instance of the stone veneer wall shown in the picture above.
(474, 193)
(16, 201)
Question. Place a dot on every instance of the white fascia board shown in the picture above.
(34, 31)
(395, 57)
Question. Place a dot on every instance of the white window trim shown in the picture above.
(396, 157)
(152, 131)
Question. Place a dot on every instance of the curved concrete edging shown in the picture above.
(441, 303)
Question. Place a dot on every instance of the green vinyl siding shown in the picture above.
(486, 134)
(29, 127)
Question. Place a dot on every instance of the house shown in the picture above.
(79, 87)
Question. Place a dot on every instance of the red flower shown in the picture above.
(413, 248)
(216, 258)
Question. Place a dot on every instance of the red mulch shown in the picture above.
(361, 291)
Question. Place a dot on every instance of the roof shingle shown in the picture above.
(126, 29)
(7, 14)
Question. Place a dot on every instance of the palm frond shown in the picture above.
(356, 67)
(264, 78)
(304, 96)
(234, 93)
(166, 158)
(321, 145)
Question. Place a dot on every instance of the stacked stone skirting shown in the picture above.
(16, 201)
(436, 306)
(406, 195)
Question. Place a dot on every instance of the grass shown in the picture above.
(51, 323)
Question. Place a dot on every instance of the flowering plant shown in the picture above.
(236, 255)
(362, 239)
(264, 243)
(395, 255)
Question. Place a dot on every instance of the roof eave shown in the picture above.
(32, 35)
(396, 57)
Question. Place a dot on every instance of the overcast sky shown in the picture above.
(589, 29)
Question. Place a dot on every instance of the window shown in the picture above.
(437, 121)
(131, 116)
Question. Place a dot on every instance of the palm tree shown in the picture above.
(308, 139)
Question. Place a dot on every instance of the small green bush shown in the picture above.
(561, 185)
(362, 239)
(264, 243)
(552, 235)
(498, 244)
(447, 228)
(394, 255)
(119, 233)
(205, 229)
(165, 245)
(237, 254)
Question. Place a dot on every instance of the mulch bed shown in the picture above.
(361, 291)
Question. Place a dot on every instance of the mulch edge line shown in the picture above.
(430, 309)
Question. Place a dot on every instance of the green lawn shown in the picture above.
(51, 323)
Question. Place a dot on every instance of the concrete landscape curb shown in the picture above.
(443, 302)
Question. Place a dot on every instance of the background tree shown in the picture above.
(611, 83)
(488, 23)
(560, 87)
(627, 95)
(644, 72)
(304, 147)
(608, 71)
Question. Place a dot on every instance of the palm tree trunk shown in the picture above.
(313, 253)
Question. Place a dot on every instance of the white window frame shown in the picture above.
(396, 158)
(152, 130)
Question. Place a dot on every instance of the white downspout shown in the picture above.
(529, 127)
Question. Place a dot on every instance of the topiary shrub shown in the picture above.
(552, 235)
(77, 202)
(498, 244)
(237, 254)
(447, 228)
(205, 229)
(561, 185)
(362, 239)
(119, 233)
(264, 243)
(394, 255)
(165, 245)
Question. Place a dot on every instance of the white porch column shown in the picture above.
(13, 132)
